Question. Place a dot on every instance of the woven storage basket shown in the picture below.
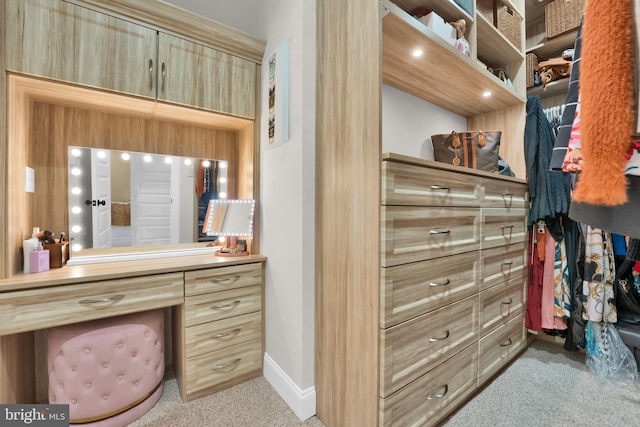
(561, 16)
(532, 65)
(487, 9)
(509, 23)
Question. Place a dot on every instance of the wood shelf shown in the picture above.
(558, 87)
(554, 47)
(442, 75)
(493, 47)
(447, 9)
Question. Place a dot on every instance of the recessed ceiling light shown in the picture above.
(486, 94)
(417, 53)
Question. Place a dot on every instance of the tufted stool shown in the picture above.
(110, 371)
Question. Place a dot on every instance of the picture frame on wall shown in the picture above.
(277, 97)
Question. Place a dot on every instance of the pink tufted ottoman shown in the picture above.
(110, 371)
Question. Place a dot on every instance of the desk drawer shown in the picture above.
(216, 368)
(224, 333)
(222, 305)
(410, 290)
(502, 263)
(222, 278)
(502, 302)
(504, 194)
(413, 233)
(503, 227)
(405, 184)
(500, 346)
(61, 305)
(430, 398)
(411, 349)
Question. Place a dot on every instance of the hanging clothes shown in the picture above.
(549, 319)
(562, 290)
(533, 319)
(599, 274)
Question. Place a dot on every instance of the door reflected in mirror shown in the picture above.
(124, 199)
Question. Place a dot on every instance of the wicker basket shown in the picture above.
(532, 66)
(487, 9)
(509, 23)
(561, 16)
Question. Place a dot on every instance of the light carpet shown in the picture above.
(545, 387)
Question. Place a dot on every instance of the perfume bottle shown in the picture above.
(39, 259)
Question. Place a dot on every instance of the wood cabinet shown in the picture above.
(63, 41)
(445, 304)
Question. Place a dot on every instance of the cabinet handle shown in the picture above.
(507, 262)
(163, 72)
(226, 334)
(507, 302)
(507, 344)
(507, 194)
(219, 307)
(226, 280)
(439, 396)
(445, 283)
(150, 74)
(113, 298)
(440, 187)
(446, 335)
(231, 365)
(439, 232)
(507, 226)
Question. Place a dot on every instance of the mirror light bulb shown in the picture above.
(101, 154)
(206, 163)
(125, 156)
(76, 210)
(75, 152)
(222, 195)
(77, 247)
(187, 162)
(75, 171)
(223, 165)
(76, 229)
(76, 190)
(222, 180)
(168, 160)
(147, 158)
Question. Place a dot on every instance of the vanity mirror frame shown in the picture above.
(28, 209)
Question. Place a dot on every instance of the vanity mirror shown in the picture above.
(125, 199)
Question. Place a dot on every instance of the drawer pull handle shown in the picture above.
(508, 194)
(226, 334)
(226, 280)
(507, 262)
(507, 302)
(507, 226)
(439, 232)
(440, 187)
(439, 396)
(445, 283)
(507, 344)
(231, 365)
(113, 298)
(446, 335)
(220, 307)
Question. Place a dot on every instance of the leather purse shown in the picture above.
(471, 149)
(554, 69)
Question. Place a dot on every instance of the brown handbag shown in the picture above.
(554, 69)
(471, 149)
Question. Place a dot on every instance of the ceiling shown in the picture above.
(244, 15)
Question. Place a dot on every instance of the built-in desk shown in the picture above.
(216, 311)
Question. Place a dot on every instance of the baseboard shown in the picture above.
(301, 402)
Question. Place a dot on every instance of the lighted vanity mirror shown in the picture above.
(121, 199)
(229, 218)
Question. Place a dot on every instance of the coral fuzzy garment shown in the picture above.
(606, 93)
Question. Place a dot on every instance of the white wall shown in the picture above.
(408, 123)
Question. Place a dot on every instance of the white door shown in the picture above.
(101, 197)
(150, 200)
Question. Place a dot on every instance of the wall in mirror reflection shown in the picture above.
(122, 199)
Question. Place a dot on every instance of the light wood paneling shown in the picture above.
(511, 122)
(4, 259)
(222, 279)
(506, 195)
(409, 290)
(431, 397)
(227, 85)
(16, 368)
(503, 227)
(221, 305)
(214, 336)
(71, 43)
(414, 233)
(348, 135)
(27, 310)
(413, 348)
(182, 23)
(500, 346)
(502, 263)
(500, 303)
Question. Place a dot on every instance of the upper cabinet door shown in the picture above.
(196, 75)
(65, 42)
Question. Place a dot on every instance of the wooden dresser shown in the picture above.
(216, 325)
(453, 285)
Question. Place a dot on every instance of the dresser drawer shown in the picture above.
(501, 302)
(503, 227)
(502, 263)
(222, 278)
(28, 310)
(417, 233)
(413, 289)
(217, 335)
(431, 397)
(221, 305)
(504, 194)
(500, 346)
(214, 369)
(404, 184)
(411, 349)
